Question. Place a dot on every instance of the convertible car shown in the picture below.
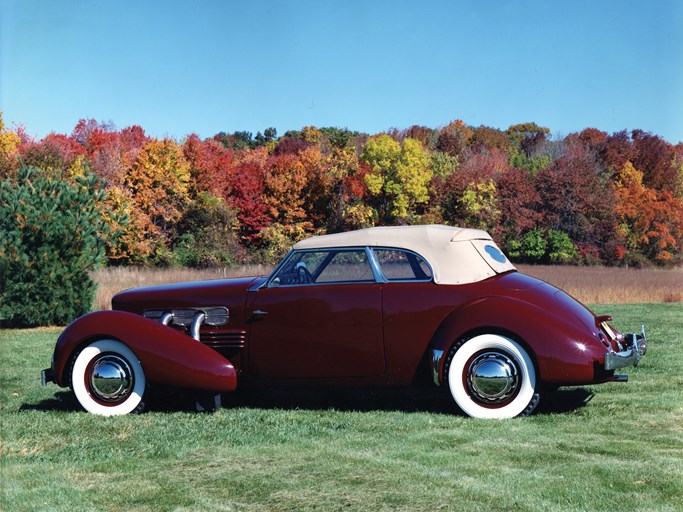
(385, 306)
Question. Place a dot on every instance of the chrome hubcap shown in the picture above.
(492, 378)
(111, 378)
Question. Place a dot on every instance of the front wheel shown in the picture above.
(108, 379)
(492, 377)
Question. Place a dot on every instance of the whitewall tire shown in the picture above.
(107, 379)
(492, 377)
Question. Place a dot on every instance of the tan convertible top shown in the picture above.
(456, 255)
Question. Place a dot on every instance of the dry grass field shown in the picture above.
(110, 281)
(593, 285)
(606, 285)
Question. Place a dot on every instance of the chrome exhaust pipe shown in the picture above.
(196, 324)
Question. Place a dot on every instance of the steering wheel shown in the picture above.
(303, 275)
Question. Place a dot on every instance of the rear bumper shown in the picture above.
(635, 346)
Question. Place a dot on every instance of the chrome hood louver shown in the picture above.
(190, 317)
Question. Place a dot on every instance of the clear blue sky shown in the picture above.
(205, 66)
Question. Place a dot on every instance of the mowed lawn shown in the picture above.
(609, 447)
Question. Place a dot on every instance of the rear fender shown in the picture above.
(167, 356)
(563, 352)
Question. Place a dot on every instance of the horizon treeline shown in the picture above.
(587, 198)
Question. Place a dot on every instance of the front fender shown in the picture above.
(167, 356)
(564, 351)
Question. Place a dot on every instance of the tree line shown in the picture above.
(585, 198)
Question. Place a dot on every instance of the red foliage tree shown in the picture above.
(290, 146)
(579, 201)
(520, 204)
(655, 158)
(54, 154)
(211, 165)
(245, 193)
(617, 150)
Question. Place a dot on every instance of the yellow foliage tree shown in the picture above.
(480, 205)
(9, 141)
(399, 176)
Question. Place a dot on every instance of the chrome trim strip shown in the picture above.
(437, 357)
(374, 265)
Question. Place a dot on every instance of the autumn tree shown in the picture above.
(398, 176)
(454, 138)
(245, 193)
(158, 186)
(520, 205)
(9, 143)
(290, 146)
(654, 157)
(485, 137)
(210, 165)
(48, 155)
(616, 151)
(285, 188)
(318, 193)
(471, 195)
(650, 221)
(579, 201)
(285, 183)
(427, 136)
(592, 139)
(348, 191)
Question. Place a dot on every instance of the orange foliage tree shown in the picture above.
(157, 184)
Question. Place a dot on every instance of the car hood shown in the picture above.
(230, 293)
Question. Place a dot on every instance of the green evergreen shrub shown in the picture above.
(52, 233)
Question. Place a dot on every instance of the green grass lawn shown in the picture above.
(350, 450)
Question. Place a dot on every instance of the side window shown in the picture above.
(299, 268)
(398, 265)
(326, 266)
(346, 266)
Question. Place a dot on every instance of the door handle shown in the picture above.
(258, 312)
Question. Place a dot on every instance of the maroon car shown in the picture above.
(375, 307)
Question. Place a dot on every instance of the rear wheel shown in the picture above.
(492, 376)
(107, 379)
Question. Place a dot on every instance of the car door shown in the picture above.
(320, 316)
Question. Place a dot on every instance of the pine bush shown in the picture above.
(52, 233)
